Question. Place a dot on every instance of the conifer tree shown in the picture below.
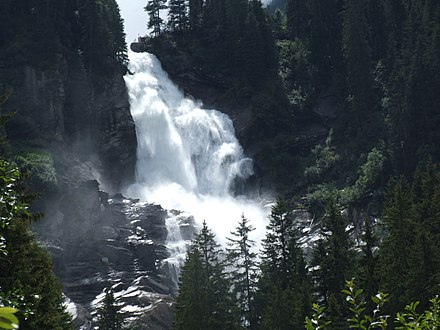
(409, 254)
(362, 111)
(153, 8)
(242, 261)
(102, 44)
(204, 300)
(26, 268)
(177, 15)
(368, 273)
(325, 37)
(109, 315)
(192, 310)
(117, 34)
(297, 19)
(283, 299)
(333, 261)
(396, 247)
(195, 10)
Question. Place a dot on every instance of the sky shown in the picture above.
(136, 19)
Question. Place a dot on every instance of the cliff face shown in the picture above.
(61, 110)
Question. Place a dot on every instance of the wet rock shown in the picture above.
(160, 317)
(116, 255)
(187, 227)
(147, 255)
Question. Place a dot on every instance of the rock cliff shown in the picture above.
(63, 110)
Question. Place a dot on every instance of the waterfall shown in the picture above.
(187, 156)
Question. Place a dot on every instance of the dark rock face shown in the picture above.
(60, 109)
(99, 242)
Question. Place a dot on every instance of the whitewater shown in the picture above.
(187, 157)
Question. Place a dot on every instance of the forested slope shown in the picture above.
(367, 72)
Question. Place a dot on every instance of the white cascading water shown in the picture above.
(187, 157)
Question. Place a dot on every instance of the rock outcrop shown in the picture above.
(99, 242)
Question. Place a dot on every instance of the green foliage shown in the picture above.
(296, 71)
(243, 274)
(297, 14)
(325, 158)
(14, 204)
(360, 319)
(409, 252)
(109, 315)
(42, 33)
(204, 300)
(284, 297)
(26, 277)
(102, 42)
(369, 178)
(317, 322)
(8, 320)
(178, 18)
(333, 261)
(411, 319)
(153, 8)
(38, 164)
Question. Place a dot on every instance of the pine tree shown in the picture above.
(256, 51)
(297, 19)
(192, 312)
(204, 300)
(368, 273)
(333, 260)
(117, 34)
(177, 15)
(396, 247)
(153, 9)
(377, 35)
(409, 253)
(109, 315)
(102, 43)
(283, 299)
(242, 261)
(362, 111)
(325, 37)
(195, 10)
(423, 259)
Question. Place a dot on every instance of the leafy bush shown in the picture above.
(39, 165)
(360, 319)
(325, 158)
(368, 178)
(8, 320)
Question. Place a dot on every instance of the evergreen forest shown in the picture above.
(368, 71)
